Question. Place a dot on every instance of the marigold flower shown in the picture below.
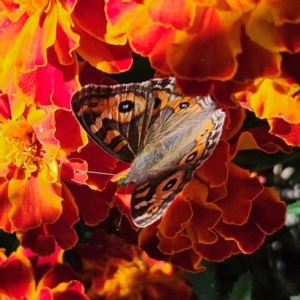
(219, 213)
(276, 100)
(113, 270)
(189, 28)
(32, 192)
(26, 276)
(36, 36)
(247, 50)
(213, 215)
(212, 47)
(39, 197)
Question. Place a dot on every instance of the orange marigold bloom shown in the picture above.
(207, 39)
(212, 46)
(39, 198)
(276, 100)
(23, 275)
(29, 30)
(116, 270)
(222, 211)
(32, 192)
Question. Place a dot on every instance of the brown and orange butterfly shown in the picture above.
(164, 134)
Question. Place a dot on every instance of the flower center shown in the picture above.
(18, 146)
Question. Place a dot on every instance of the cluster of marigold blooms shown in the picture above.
(244, 53)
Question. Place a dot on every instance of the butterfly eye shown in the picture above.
(170, 184)
(184, 105)
(126, 106)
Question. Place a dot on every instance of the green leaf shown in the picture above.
(242, 288)
(295, 297)
(203, 283)
(257, 160)
(294, 208)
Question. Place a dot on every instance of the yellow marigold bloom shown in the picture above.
(276, 100)
(18, 146)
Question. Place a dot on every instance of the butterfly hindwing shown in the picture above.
(153, 195)
(150, 199)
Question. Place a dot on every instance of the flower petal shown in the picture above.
(93, 205)
(255, 61)
(174, 222)
(68, 131)
(16, 278)
(273, 101)
(218, 251)
(62, 230)
(188, 260)
(52, 84)
(34, 201)
(43, 239)
(177, 14)
(5, 207)
(290, 133)
(242, 189)
(208, 171)
(189, 57)
(108, 58)
(174, 245)
(269, 201)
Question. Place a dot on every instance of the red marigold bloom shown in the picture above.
(32, 192)
(90, 23)
(113, 270)
(222, 211)
(39, 199)
(190, 28)
(28, 30)
(26, 276)
(211, 48)
(212, 216)
(218, 209)
(209, 42)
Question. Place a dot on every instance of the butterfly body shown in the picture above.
(164, 134)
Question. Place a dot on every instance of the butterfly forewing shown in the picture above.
(114, 116)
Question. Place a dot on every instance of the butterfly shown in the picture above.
(162, 133)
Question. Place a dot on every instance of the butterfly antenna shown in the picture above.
(122, 211)
(94, 172)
